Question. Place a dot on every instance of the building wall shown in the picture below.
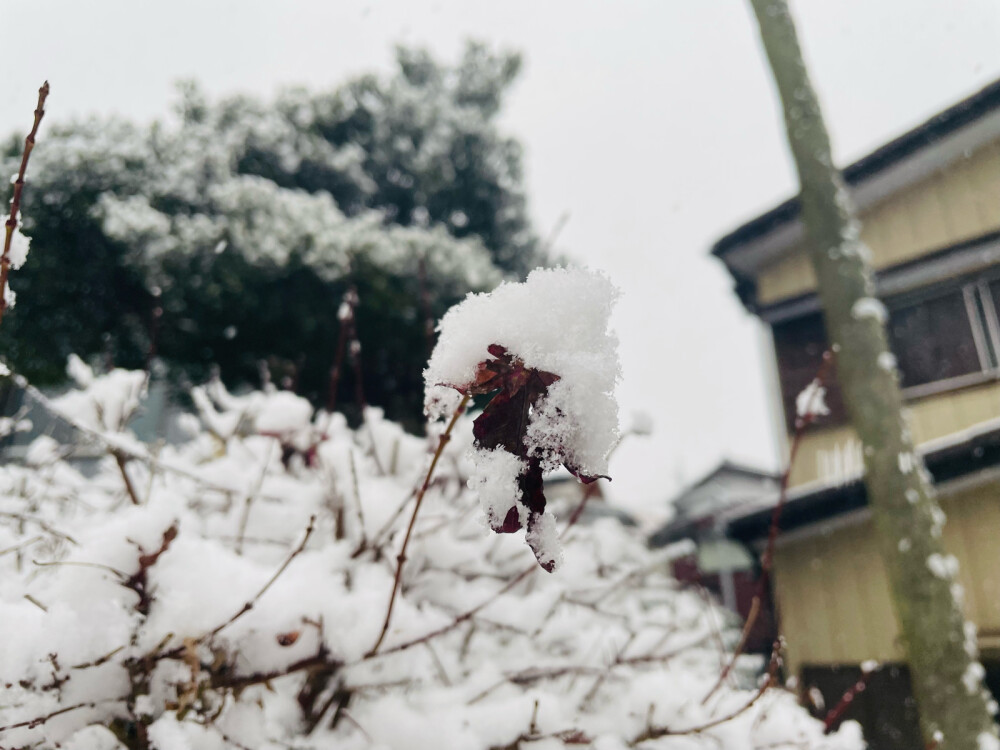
(957, 203)
(834, 453)
(833, 595)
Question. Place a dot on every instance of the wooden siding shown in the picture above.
(957, 203)
(833, 594)
(828, 454)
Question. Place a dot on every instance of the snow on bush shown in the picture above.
(237, 604)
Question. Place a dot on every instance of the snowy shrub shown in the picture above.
(246, 588)
(236, 606)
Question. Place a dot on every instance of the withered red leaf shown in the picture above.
(504, 421)
(504, 424)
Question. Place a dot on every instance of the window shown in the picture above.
(799, 345)
(936, 339)
(951, 335)
(886, 709)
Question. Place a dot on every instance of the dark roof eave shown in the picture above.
(947, 463)
(924, 135)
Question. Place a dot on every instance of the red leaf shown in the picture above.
(504, 421)
(504, 424)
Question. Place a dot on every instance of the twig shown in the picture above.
(138, 582)
(178, 651)
(15, 203)
(356, 491)
(653, 732)
(706, 599)
(99, 660)
(39, 720)
(132, 453)
(376, 540)
(20, 546)
(37, 603)
(245, 517)
(241, 682)
(589, 491)
(766, 560)
(346, 310)
(470, 613)
(401, 557)
(425, 305)
(358, 726)
(78, 564)
(121, 460)
(554, 233)
(250, 604)
(43, 525)
(836, 714)
(442, 672)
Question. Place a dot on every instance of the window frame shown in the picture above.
(985, 330)
(984, 322)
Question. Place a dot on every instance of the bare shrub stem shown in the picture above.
(15, 203)
(401, 557)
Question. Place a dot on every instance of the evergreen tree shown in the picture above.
(230, 233)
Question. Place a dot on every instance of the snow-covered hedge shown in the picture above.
(237, 603)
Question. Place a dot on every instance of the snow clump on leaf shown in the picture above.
(544, 350)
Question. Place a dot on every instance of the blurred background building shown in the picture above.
(930, 210)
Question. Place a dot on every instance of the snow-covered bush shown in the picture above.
(246, 588)
(236, 606)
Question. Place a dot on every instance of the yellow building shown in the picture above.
(929, 202)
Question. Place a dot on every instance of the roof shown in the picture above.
(958, 455)
(919, 138)
(698, 506)
(725, 468)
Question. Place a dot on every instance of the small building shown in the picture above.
(929, 202)
(564, 492)
(718, 564)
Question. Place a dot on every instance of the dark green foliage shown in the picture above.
(246, 222)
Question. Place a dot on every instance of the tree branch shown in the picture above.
(801, 423)
(470, 613)
(401, 557)
(15, 204)
(654, 732)
(251, 603)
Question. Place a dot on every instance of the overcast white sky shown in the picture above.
(652, 123)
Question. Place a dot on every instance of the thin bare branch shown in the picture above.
(15, 203)
(39, 720)
(470, 613)
(801, 423)
(251, 603)
(133, 453)
(401, 557)
(122, 460)
(654, 732)
(254, 491)
(836, 714)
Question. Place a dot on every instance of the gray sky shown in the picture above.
(652, 123)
